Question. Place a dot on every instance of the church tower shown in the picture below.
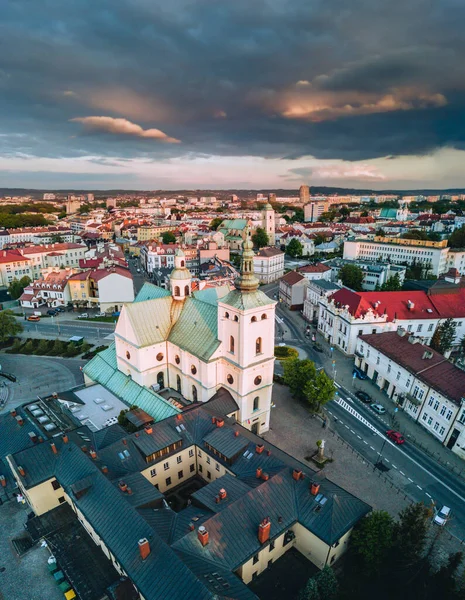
(268, 220)
(246, 325)
(180, 278)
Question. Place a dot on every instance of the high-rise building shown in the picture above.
(304, 193)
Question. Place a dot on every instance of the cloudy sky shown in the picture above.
(232, 93)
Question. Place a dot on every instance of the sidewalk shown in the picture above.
(413, 431)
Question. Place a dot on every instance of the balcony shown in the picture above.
(413, 399)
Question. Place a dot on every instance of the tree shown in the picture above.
(462, 345)
(443, 583)
(415, 234)
(345, 211)
(308, 384)
(215, 223)
(42, 348)
(294, 248)
(457, 238)
(327, 216)
(260, 238)
(443, 337)
(409, 535)
(319, 239)
(371, 540)
(352, 277)
(364, 213)
(393, 284)
(380, 232)
(9, 326)
(16, 288)
(327, 584)
(310, 592)
(168, 238)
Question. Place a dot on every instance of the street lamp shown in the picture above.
(378, 461)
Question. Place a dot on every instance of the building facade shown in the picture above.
(268, 265)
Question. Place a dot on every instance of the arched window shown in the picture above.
(182, 263)
(186, 290)
(236, 318)
(177, 360)
(258, 346)
(161, 379)
(193, 369)
(230, 379)
(128, 356)
(226, 315)
(231, 344)
(253, 319)
(194, 393)
(264, 317)
(178, 384)
(258, 380)
(256, 402)
(177, 291)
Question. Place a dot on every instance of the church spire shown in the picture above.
(247, 282)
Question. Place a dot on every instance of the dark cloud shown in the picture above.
(220, 76)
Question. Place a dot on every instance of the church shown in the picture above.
(198, 342)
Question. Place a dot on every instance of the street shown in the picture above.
(64, 327)
(410, 469)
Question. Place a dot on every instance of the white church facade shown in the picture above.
(199, 342)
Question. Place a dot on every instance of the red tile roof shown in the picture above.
(7, 256)
(316, 268)
(292, 278)
(435, 371)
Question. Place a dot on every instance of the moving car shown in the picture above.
(33, 318)
(359, 373)
(395, 436)
(442, 517)
(84, 316)
(378, 408)
(364, 397)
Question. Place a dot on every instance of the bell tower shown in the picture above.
(180, 278)
(268, 220)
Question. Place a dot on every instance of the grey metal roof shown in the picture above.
(143, 493)
(162, 437)
(235, 488)
(226, 441)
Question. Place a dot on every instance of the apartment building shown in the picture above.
(145, 233)
(374, 274)
(346, 314)
(13, 265)
(419, 380)
(268, 264)
(36, 235)
(51, 290)
(292, 290)
(317, 289)
(108, 288)
(314, 210)
(432, 256)
(53, 255)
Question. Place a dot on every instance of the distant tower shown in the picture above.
(304, 193)
(268, 223)
(180, 278)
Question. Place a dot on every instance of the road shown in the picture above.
(410, 469)
(63, 327)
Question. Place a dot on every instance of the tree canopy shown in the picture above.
(168, 237)
(352, 277)
(443, 337)
(16, 288)
(294, 248)
(308, 384)
(393, 284)
(457, 238)
(215, 223)
(9, 326)
(260, 238)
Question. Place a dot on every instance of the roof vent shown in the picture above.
(401, 331)
(427, 354)
(410, 305)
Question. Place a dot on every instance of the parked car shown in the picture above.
(395, 436)
(83, 316)
(364, 397)
(442, 516)
(52, 312)
(101, 314)
(359, 373)
(33, 318)
(378, 408)
(60, 309)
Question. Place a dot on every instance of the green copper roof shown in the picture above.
(103, 369)
(196, 330)
(233, 224)
(151, 292)
(247, 300)
(151, 320)
(212, 295)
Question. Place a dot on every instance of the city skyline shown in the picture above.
(263, 95)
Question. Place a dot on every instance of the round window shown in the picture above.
(160, 356)
(177, 360)
(258, 380)
(193, 370)
(128, 356)
(230, 379)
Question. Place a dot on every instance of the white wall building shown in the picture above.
(268, 265)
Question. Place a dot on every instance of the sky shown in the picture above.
(149, 94)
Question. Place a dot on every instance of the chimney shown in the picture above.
(21, 471)
(54, 448)
(236, 434)
(65, 438)
(314, 489)
(259, 472)
(125, 442)
(297, 474)
(144, 548)
(217, 499)
(202, 534)
(401, 331)
(410, 305)
(213, 419)
(104, 469)
(13, 412)
(129, 491)
(178, 417)
(259, 448)
(264, 530)
(93, 454)
(191, 526)
(148, 429)
(19, 420)
(219, 422)
(222, 494)
(33, 437)
(268, 452)
(3, 480)
(84, 448)
(123, 486)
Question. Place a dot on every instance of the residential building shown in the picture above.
(255, 502)
(428, 387)
(13, 265)
(304, 193)
(108, 288)
(431, 255)
(53, 255)
(456, 259)
(145, 233)
(268, 264)
(374, 274)
(51, 290)
(314, 210)
(292, 290)
(316, 271)
(36, 235)
(346, 314)
(317, 289)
